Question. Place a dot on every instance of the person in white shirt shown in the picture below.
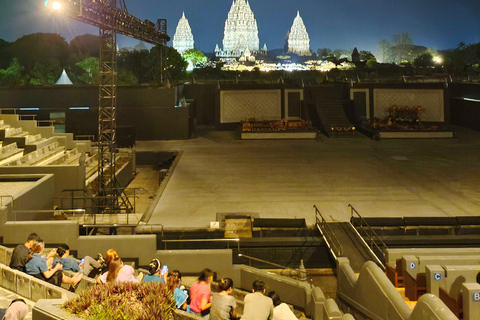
(256, 305)
(281, 310)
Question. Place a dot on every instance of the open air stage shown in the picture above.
(284, 179)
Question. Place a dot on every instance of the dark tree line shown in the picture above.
(38, 59)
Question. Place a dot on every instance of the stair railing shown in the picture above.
(331, 239)
(369, 234)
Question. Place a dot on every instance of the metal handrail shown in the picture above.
(372, 236)
(237, 240)
(5, 196)
(328, 232)
(74, 211)
(263, 261)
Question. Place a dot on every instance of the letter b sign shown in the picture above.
(476, 296)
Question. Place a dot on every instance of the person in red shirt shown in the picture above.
(200, 294)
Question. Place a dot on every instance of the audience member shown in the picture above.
(23, 253)
(17, 310)
(117, 270)
(86, 266)
(281, 310)
(200, 294)
(38, 268)
(174, 284)
(256, 305)
(223, 304)
(155, 269)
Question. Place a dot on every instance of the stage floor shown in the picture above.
(284, 179)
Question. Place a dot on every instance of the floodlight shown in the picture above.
(56, 5)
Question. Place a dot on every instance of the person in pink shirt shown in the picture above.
(200, 294)
(117, 271)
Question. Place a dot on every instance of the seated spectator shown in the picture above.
(86, 266)
(256, 305)
(223, 304)
(17, 310)
(200, 294)
(117, 270)
(180, 295)
(156, 273)
(281, 310)
(23, 253)
(38, 268)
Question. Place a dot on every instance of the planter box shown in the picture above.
(416, 135)
(50, 310)
(276, 135)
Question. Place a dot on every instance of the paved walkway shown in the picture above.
(284, 179)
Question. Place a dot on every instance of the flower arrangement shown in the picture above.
(143, 301)
(404, 114)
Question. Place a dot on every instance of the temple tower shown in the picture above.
(183, 38)
(241, 31)
(298, 39)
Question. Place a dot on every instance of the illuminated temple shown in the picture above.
(298, 40)
(241, 31)
(183, 38)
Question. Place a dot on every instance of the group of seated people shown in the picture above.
(199, 300)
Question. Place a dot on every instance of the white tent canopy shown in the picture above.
(64, 79)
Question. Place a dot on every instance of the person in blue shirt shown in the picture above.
(87, 266)
(38, 268)
(155, 269)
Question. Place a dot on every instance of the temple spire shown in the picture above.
(183, 38)
(298, 40)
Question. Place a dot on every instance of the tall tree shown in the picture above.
(194, 57)
(402, 42)
(13, 75)
(383, 50)
(175, 68)
(85, 46)
(40, 47)
(423, 60)
(135, 62)
(91, 66)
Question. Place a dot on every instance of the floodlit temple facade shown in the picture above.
(298, 40)
(241, 32)
(183, 38)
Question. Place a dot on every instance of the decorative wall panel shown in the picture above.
(239, 105)
(431, 100)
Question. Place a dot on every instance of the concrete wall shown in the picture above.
(61, 97)
(65, 177)
(205, 100)
(42, 191)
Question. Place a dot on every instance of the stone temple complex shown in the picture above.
(297, 39)
(241, 32)
(183, 38)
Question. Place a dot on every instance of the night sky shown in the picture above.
(439, 24)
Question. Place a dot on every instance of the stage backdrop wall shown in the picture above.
(432, 100)
(240, 105)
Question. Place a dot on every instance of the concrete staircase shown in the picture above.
(334, 120)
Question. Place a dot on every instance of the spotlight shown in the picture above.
(56, 5)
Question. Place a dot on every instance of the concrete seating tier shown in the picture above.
(39, 155)
(9, 132)
(30, 287)
(415, 266)
(371, 295)
(394, 255)
(39, 143)
(70, 157)
(9, 153)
